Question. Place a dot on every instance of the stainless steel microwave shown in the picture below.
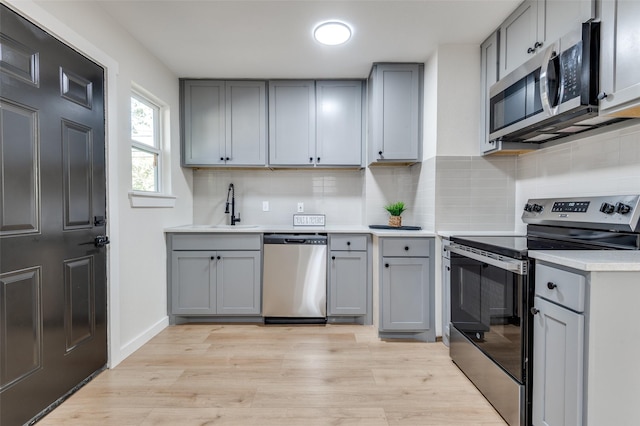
(553, 95)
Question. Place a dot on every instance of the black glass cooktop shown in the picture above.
(515, 247)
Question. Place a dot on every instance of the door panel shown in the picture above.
(53, 278)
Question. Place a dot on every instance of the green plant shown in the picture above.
(395, 209)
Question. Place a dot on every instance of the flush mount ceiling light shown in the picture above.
(332, 33)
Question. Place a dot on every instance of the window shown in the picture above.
(145, 145)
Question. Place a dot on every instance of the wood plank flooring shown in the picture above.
(210, 374)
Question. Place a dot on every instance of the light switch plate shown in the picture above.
(265, 206)
(300, 207)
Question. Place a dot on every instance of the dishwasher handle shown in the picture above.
(295, 240)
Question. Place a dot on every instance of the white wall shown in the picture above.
(137, 276)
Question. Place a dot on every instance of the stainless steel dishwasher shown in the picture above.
(294, 286)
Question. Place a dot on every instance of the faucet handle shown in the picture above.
(236, 220)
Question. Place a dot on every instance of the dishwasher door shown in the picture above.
(294, 278)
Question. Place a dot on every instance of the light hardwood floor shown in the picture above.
(209, 374)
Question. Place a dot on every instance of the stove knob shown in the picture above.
(607, 208)
(528, 208)
(622, 208)
(537, 208)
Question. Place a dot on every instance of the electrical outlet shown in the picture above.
(300, 207)
(265, 206)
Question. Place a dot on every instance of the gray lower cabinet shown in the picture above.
(406, 286)
(558, 357)
(349, 282)
(215, 275)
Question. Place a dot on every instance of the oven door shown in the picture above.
(489, 306)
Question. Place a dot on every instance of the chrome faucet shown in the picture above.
(231, 191)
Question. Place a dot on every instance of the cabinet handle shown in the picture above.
(311, 159)
(221, 158)
(348, 243)
(531, 50)
(386, 265)
(448, 268)
(551, 285)
(212, 257)
(534, 311)
(380, 153)
(218, 258)
(228, 158)
(318, 159)
(538, 44)
(333, 258)
(406, 248)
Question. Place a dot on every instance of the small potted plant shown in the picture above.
(395, 210)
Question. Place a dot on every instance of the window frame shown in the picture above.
(155, 150)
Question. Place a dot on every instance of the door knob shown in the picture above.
(534, 311)
(551, 285)
(101, 241)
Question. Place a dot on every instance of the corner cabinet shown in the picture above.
(620, 58)
(349, 287)
(214, 275)
(534, 24)
(406, 287)
(395, 111)
(224, 123)
(315, 123)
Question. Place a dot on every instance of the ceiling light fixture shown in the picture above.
(332, 33)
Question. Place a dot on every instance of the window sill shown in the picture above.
(151, 199)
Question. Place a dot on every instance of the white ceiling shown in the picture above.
(272, 39)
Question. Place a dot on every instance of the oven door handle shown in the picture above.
(512, 265)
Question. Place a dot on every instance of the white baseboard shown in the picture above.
(137, 342)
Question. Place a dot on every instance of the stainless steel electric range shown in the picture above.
(492, 289)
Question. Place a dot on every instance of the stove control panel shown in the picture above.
(612, 213)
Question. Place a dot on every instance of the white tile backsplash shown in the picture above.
(603, 164)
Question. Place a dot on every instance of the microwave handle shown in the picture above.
(545, 96)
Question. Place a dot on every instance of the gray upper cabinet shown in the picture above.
(315, 123)
(395, 109)
(224, 123)
(489, 76)
(339, 123)
(535, 23)
(292, 122)
(620, 58)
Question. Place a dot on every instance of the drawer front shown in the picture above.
(348, 242)
(405, 247)
(562, 287)
(216, 242)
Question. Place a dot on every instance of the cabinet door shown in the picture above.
(193, 290)
(339, 123)
(405, 293)
(396, 115)
(292, 123)
(203, 122)
(558, 360)
(558, 17)
(488, 75)
(518, 35)
(620, 58)
(246, 123)
(348, 283)
(238, 283)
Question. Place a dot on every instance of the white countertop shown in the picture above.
(334, 229)
(591, 260)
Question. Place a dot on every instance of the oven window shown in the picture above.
(487, 305)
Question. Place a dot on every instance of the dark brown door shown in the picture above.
(52, 208)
